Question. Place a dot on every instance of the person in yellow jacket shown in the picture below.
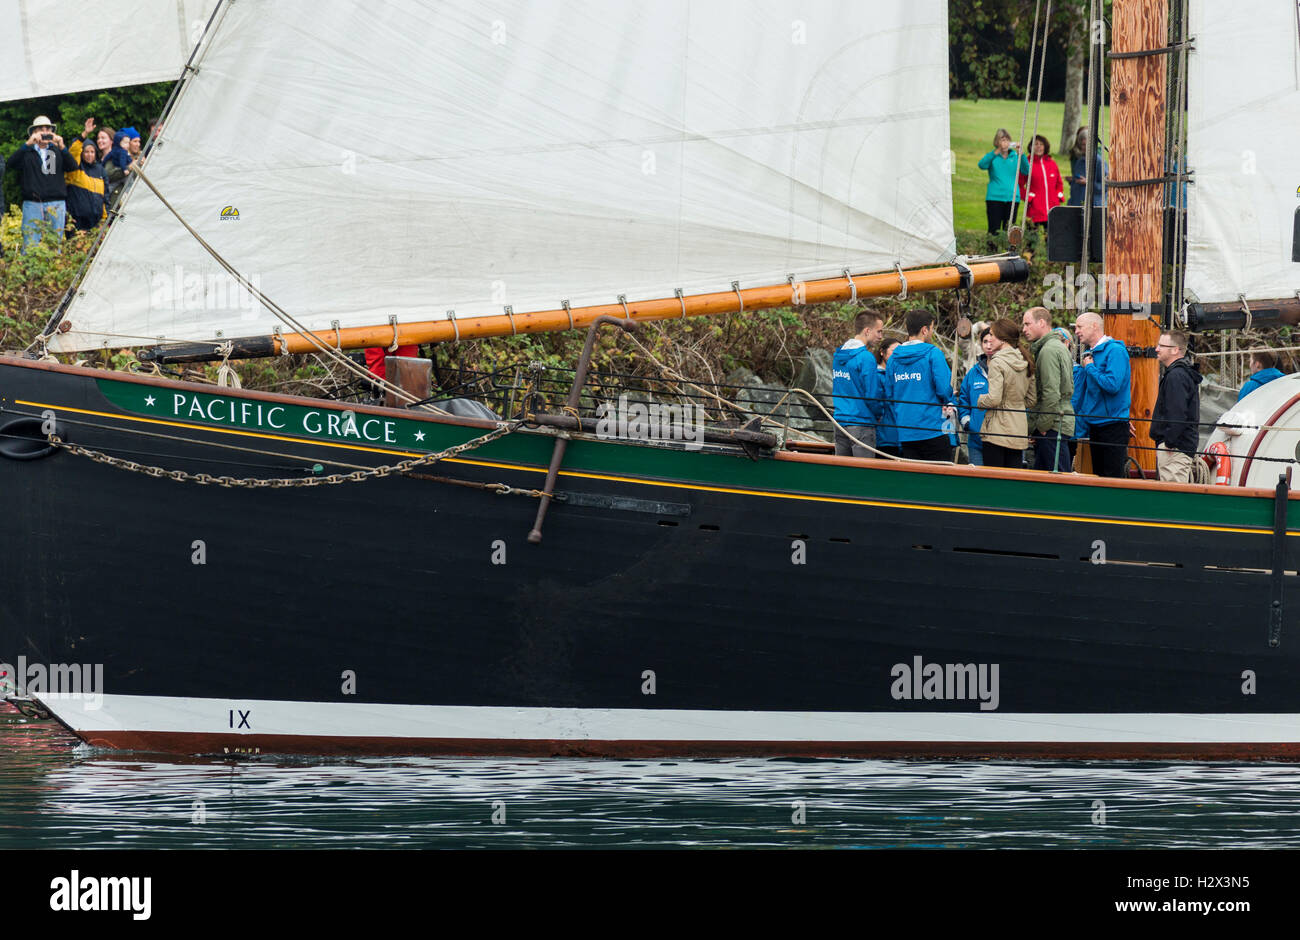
(86, 184)
(1012, 391)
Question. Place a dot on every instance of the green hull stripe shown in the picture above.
(631, 459)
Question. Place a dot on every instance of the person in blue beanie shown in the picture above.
(1107, 396)
(117, 162)
(856, 388)
(975, 384)
(887, 430)
(1263, 369)
(920, 383)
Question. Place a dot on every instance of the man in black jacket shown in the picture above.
(1176, 418)
(41, 163)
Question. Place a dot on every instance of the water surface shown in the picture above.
(56, 793)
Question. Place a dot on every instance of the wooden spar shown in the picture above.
(829, 290)
(1134, 214)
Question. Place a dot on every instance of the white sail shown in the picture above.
(408, 158)
(52, 47)
(1243, 142)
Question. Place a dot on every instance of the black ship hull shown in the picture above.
(680, 603)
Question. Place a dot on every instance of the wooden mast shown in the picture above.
(1134, 214)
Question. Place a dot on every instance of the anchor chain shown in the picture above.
(358, 476)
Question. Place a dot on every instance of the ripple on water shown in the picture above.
(56, 794)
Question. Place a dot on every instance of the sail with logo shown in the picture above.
(441, 169)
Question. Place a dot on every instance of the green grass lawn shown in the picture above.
(971, 132)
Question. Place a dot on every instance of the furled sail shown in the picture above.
(361, 162)
(51, 47)
(1243, 138)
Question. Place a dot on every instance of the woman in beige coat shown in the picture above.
(1012, 390)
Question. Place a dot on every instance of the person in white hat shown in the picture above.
(41, 163)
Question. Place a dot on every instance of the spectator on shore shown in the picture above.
(155, 128)
(1263, 369)
(117, 163)
(856, 388)
(1079, 167)
(1106, 398)
(104, 142)
(41, 163)
(86, 187)
(887, 430)
(1040, 183)
(1175, 190)
(87, 135)
(120, 155)
(1052, 423)
(1000, 196)
(974, 385)
(1175, 420)
(1010, 394)
(920, 383)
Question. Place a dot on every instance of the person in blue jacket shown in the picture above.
(920, 383)
(1263, 369)
(855, 386)
(1079, 167)
(1003, 166)
(887, 429)
(975, 384)
(1106, 398)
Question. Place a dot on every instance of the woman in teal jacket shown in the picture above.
(1003, 166)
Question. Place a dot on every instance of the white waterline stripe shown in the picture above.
(135, 713)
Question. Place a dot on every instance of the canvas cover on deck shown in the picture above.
(362, 161)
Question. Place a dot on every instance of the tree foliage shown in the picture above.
(989, 43)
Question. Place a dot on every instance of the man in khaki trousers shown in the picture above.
(1175, 422)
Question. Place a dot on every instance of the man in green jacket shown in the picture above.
(1051, 425)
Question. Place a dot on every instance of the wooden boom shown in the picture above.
(829, 290)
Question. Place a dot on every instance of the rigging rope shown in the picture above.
(1024, 115)
(1019, 211)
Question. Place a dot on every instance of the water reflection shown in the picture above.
(56, 794)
